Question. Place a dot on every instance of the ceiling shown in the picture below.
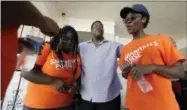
(110, 10)
(166, 17)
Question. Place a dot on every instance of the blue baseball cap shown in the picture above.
(139, 8)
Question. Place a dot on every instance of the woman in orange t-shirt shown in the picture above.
(53, 79)
(148, 62)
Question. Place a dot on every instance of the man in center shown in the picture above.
(100, 85)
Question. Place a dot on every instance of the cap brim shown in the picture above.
(125, 11)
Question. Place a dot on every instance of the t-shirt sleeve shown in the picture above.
(41, 59)
(121, 58)
(119, 48)
(171, 55)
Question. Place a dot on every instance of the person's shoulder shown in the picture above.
(84, 43)
(127, 46)
(46, 47)
(47, 44)
(161, 36)
(115, 43)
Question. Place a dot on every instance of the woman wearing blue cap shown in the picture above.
(148, 62)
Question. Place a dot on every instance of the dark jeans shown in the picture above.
(62, 108)
(115, 104)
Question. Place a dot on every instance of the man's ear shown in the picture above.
(144, 19)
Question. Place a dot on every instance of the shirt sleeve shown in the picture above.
(41, 59)
(171, 55)
(122, 57)
(119, 47)
(78, 73)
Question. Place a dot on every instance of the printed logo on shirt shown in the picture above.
(60, 64)
(133, 56)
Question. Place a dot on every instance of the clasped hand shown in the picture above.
(136, 71)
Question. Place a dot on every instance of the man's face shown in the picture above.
(97, 29)
(134, 22)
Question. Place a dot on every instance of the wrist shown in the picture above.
(154, 68)
(53, 81)
(125, 66)
(56, 80)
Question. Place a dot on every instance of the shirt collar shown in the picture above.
(103, 41)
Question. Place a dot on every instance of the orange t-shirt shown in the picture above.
(9, 51)
(156, 49)
(45, 96)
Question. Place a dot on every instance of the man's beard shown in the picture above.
(99, 37)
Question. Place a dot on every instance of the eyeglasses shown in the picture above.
(130, 19)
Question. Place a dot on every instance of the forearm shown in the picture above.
(16, 13)
(38, 78)
(24, 44)
(176, 71)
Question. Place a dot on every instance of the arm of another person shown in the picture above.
(36, 75)
(119, 48)
(169, 71)
(120, 55)
(173, 60)
(121, 65)
(174, 71)
(78, 73)
(15, 13)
